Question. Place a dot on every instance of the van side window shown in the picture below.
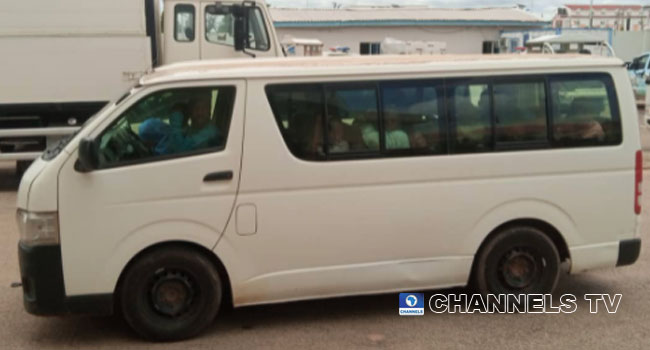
(520, 110)
(470, 109)
(220, 28)
(585, 111)
(352, 119)
(167, 124)
(299, 112)
(413, 119)
(184, 23)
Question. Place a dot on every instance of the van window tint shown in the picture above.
(169, 123)
(353, 119)
(299, 112)
(184, 23)
(520, 110)
(470, 112)
(585, 112)
(408, 118)
(412, 118)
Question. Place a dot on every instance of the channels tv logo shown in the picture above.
(411, 304)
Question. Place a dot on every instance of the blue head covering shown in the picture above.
(153, 130)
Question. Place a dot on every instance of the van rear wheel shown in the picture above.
(518, 260)
(170, 294)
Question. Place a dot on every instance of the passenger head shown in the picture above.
(337, 130)
(199, 109)
(392, 119)
(419, 141)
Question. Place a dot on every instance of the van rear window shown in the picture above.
(585, 112)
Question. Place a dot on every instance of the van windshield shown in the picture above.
(56, 148)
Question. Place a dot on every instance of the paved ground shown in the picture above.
(349, 323)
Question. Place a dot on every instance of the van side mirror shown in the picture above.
(88, 158)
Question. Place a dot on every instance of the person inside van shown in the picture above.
(185, 132)
(419, 141)
(396, 138)
(472, 122)
(337, 139)
(581, 123)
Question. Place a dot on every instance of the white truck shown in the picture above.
(62, 61)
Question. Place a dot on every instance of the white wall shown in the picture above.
(459, 40)
(629, 45)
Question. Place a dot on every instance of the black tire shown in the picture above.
(170, 294)
(518, 260)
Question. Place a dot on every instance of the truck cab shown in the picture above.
(199, 30)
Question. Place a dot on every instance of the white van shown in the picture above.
(278, 180)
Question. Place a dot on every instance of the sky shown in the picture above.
(545, 8)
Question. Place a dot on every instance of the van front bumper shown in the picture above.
(41, 272)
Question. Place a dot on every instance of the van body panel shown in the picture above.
(368, 214)
(22, 200)
(594, 256)
(108, 216)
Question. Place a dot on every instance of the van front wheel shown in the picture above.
(518, 260)
(170, 294)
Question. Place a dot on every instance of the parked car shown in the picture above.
(639, 72)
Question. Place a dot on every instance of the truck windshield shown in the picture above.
(220, 28)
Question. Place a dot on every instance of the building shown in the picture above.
(465, 31)
(616, 17)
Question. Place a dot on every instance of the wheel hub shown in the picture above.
(518, 269)
(172, 293)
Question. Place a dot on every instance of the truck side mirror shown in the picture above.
(240, 14)
(241, 33)
(88, 159)
(189, 34)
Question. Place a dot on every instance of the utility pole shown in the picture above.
(591, 15)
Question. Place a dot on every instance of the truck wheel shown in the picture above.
(170, 294)
(519, 260)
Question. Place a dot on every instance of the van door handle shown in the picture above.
(219, 176)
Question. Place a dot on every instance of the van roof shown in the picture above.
(367, 65)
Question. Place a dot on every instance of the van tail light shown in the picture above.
(638, 182)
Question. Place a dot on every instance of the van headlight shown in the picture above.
(38, 228)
